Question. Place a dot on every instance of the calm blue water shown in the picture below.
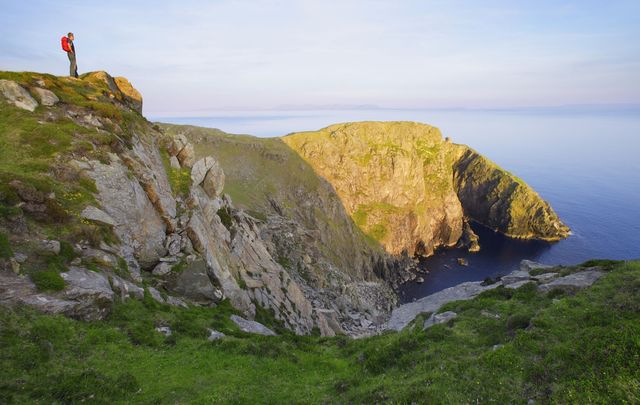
(585, 163)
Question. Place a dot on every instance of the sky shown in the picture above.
(189, 57)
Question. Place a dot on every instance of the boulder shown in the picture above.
(214, 181)
(101, 257)
(17, 95)
(96, 214)
(215, 335)
(193, 283)
(47, 97)
(173, 244)
(50, 246)
(89, 288)
(572, 282)
(187, 156)
(176, 302)
(252, 326)
(436, 319)
(155, 294)
(165, 330)
(161, 269)
(174, 162)
(177, 144)
(126, 289)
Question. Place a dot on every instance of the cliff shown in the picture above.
(412, 191)
(100, 206)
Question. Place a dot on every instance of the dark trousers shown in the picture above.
(73, 66)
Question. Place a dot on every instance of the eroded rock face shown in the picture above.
(17, 95)
(137, 223)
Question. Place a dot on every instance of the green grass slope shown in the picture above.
(505, 346)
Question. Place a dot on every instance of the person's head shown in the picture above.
(70, 36)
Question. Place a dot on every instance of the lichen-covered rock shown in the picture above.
(186, 156)
(17, 95)
(131, 95)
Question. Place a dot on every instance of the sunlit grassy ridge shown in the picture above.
(505, 346)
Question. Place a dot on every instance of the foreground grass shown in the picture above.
(504, 347)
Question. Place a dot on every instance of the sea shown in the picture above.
(585, 161)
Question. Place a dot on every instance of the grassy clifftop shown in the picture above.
(505, 346)
(41, 193)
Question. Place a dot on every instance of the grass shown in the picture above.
(48, 280)
(5, 247)
(179, 178)
(581, 348)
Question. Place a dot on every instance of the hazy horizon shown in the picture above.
(196, 55)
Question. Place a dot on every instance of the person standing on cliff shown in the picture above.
(67, 46)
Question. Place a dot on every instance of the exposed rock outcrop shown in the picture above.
(546, 278)
(17, 95)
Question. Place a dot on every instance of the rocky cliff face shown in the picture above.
(501, 201)
(99, 205)
(412, 191)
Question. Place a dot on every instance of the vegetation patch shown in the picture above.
(5, 247)
(225, 218)
(505, 347)
(48, 280)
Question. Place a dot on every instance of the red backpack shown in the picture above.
(65, 44)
